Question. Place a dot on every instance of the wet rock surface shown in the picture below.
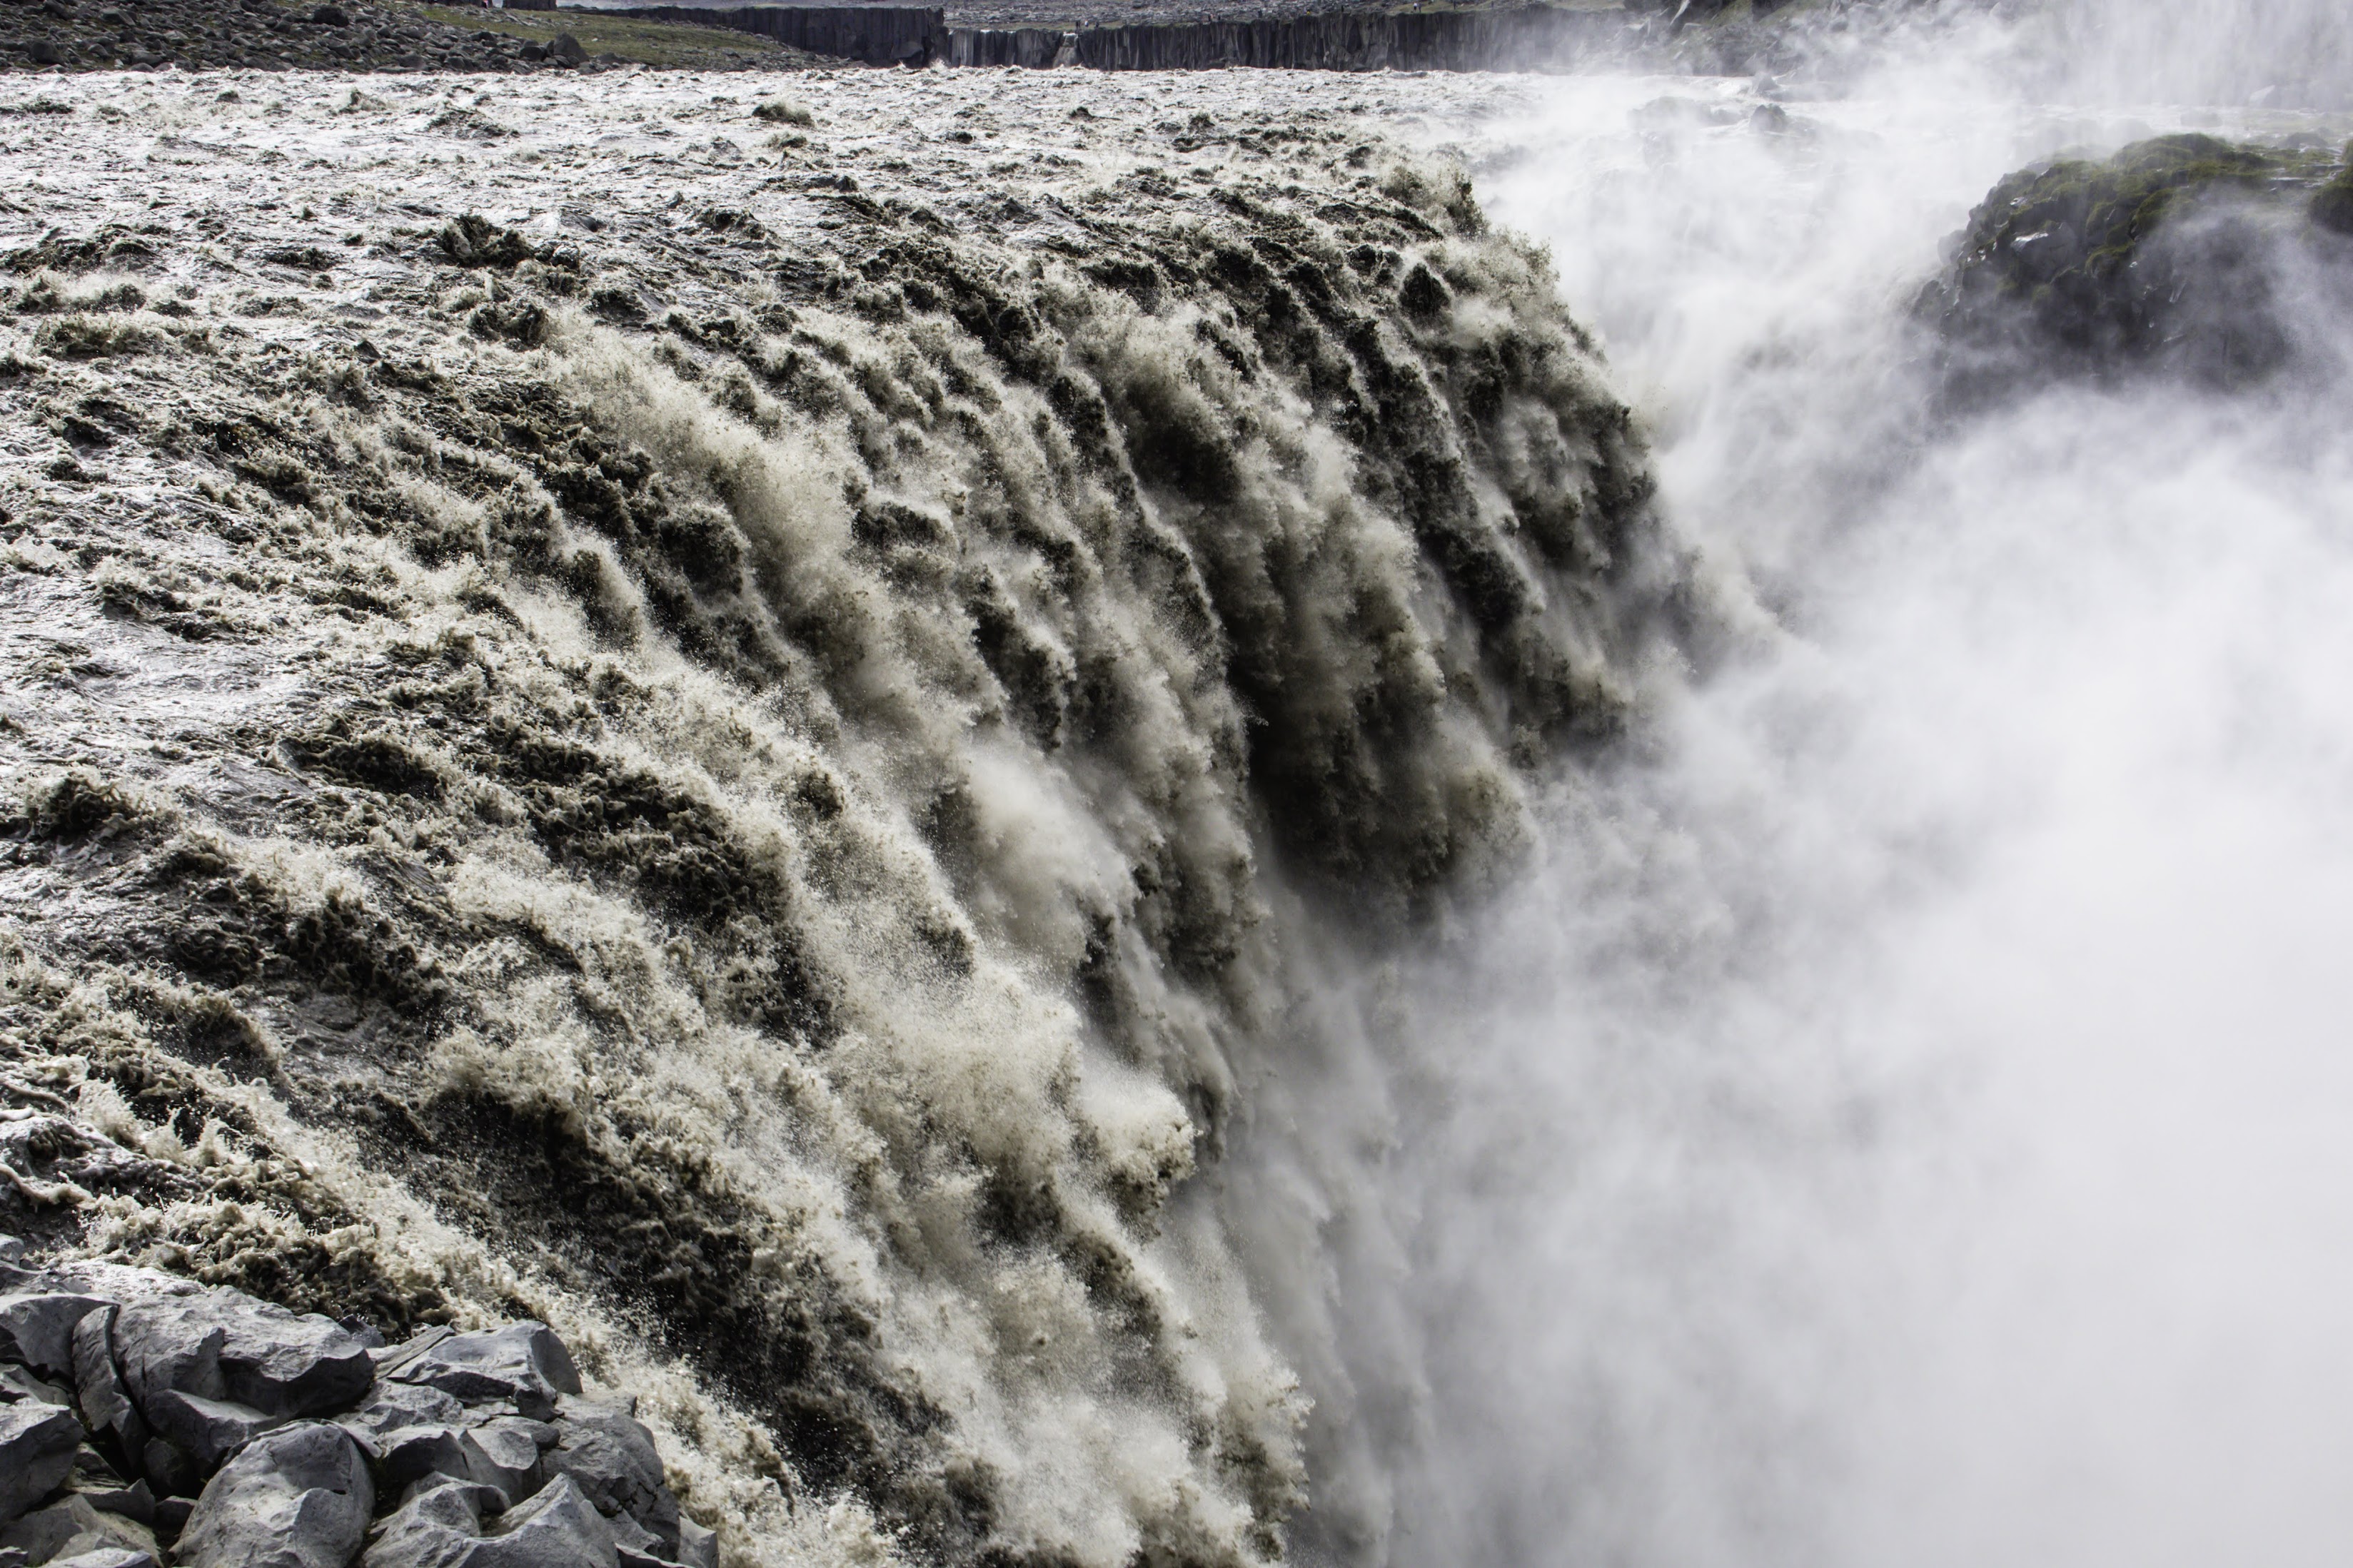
(118, 1462)
(2172, 255)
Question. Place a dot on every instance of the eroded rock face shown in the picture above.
(138, 1454)
(2169, 256)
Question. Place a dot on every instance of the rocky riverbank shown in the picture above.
(147, 1422)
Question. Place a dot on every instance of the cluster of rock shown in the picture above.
(146, 1421)
(261, 35)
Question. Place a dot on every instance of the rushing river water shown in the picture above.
(1067, 822)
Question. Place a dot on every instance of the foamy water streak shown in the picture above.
(1905, 1122)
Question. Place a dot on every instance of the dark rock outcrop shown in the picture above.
(1529, 37)
(143, 1421)
(2167, 255)
(2332, 205)
(202, 35)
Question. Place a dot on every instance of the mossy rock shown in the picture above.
(2332, 205)
(2158, 254)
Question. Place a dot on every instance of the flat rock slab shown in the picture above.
(106, 1557)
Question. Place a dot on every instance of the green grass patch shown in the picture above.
(674, 44)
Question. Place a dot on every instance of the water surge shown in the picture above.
(742, 749)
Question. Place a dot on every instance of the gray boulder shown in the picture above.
(435, 1527)
(638, 1548)
(106, 1557)
(220, 1346)
(504, 1452)
(37, 1443)
(206, 1430)
(69, 1527)
(523, 1363)
(558, 1527)
(612, 1457)
(21, 1382)
(105, 1403)
(411, 1433)
(36, 1331)
(296, 1498)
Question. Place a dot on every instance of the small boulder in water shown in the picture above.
(784, 111)
(472, 240)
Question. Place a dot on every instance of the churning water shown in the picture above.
(1074, 812)
(1905, 1120)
